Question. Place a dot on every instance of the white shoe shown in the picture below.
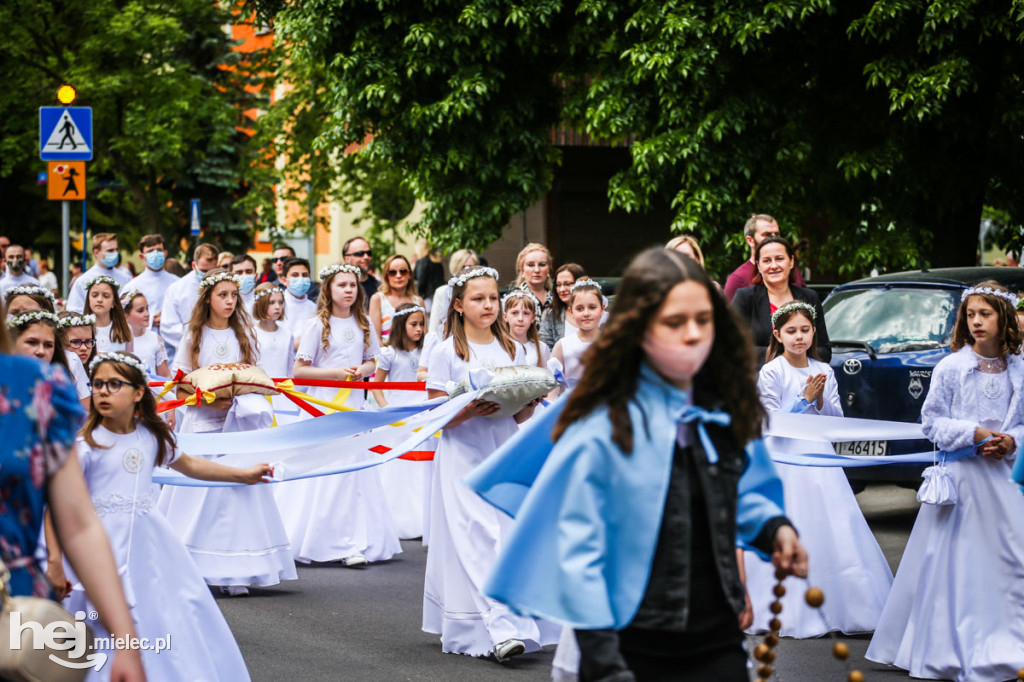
(508, 649)
(354, 561)
(235, 590)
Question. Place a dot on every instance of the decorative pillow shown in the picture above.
(226, 380)
(512, 388)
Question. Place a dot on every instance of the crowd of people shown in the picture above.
(654, 526)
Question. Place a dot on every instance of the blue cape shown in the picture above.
(588, 516)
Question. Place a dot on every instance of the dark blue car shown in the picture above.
(887, 334)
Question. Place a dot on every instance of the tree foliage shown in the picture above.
(878, 129)
(168, 95)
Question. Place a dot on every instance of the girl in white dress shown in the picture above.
(586, 307)
(396, 289)
(122, 441)
(519, 309)
(405, 482)
(344, 517)
(956, 609)
(235, 535)
(146, 344)
(276, 348)
(467, 532)
(101, 299)
(847, 562)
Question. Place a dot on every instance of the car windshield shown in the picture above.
(892, 320)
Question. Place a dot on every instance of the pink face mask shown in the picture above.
(676, 362)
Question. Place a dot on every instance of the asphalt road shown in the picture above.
(364, 624)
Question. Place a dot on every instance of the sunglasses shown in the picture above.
(112, 385)
(280, 259)
(82, 343)
(360, 254)
(400, 271)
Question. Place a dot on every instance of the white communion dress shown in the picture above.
(847, 563)
(235, 533)
(956, 610)
(331, 518)
(166, 593)
(277, 358)
(467, 533)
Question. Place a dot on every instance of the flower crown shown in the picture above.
(32, 316)
(519, 293)
(127, 295)
(585, 283)
(214, 280)
(408, 311)
(116, 357)
(29, 290)
(329, 270)
(77, 321)
(101, 279)
(977, 291)
(793, 306)
(460, 280)
(267, 292)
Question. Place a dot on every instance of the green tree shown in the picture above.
(168, 95)
(878, 129)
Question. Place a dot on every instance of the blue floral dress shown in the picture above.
(39, 416)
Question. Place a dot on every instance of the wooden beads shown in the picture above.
(776, 607)
(779, 591)
(814, 597)
(855, 676)
(840, 650)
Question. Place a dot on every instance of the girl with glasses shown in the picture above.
(79, 335)
(397, 288)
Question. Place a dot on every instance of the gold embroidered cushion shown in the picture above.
(228, 379)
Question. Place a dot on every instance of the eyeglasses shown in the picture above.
(111, 385)
(82, 343)
(396, 273)
(279, 259)
(359, 254)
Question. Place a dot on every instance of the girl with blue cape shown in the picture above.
(626, 527)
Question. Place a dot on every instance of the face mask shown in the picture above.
(298, 286)
(249, 283)
(677, 362)
(111, 259)
(155, 259)
(16, 266)
(200, 274)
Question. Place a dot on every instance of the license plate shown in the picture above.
(875, 448)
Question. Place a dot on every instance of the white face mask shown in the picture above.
(677, 363)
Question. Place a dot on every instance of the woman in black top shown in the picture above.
(773, 287)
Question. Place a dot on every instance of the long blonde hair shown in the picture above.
(325, 306)
(239, 322)
(456, 328)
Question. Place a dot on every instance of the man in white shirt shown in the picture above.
(154, 281)
(297, 306)
(106, 257)
(180, 298)
(15, 275)
(244, 267)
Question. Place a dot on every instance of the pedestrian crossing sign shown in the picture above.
(65, 133)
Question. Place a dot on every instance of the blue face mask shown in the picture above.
(249, 283)
(155, 259)
(111, 259)
(298, 286)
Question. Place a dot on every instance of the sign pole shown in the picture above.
(65, 211)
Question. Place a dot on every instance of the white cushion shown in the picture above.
(512, 388)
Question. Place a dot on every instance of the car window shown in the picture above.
(892, 320)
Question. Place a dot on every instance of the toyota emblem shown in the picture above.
(852, 366)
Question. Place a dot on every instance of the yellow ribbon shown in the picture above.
(193, 400)
(168, 385)
(333, 406)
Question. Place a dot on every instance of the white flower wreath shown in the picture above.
(32, 316)
(460, 280)
(29, 290)
(214, 280)
(102, 279)
(267, 292)
(117, 357)
(408, 311)
(585, 283)
(790, 307)
(128, 295)
(77, 321)
(329, 270)
(519, 293)
(974, 291)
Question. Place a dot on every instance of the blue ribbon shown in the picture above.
(848, 461)
(691, 414)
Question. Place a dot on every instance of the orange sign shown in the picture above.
(66, 181)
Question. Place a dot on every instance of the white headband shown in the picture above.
(975, 291)
(117, 357)
(408, 311)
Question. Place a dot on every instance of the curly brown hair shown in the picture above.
(611, 365)
(239, 322)
(1009, 330)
